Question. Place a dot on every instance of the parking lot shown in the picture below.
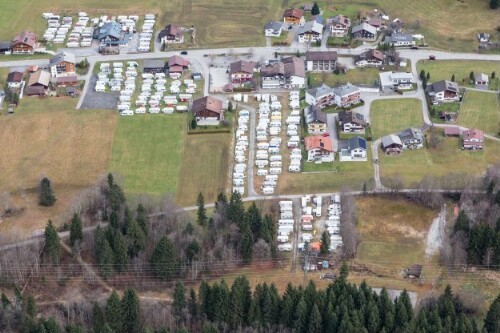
(218, 79)
(99, 100)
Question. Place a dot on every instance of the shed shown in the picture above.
(154, 66)
(414, 271)
(452, 131)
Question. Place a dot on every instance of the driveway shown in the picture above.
(331, 120)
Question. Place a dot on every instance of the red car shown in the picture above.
(326, 134)
(432, 57)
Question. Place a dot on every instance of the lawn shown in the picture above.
(393, 115)
(480, 110)
(205, 161)
(413, 166)
(147, 152)
(355, 76)
(444, 70)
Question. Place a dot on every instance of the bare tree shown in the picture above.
(261, 250)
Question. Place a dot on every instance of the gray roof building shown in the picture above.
(345, 89)
(390, 140)
(322, 90)
(357, 142)
(62, 57)
(366, 27)
(313, 114)
(411, 134)
(274, 26)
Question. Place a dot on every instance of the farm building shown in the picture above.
(65, 81)
(171, 34)
(153, 66)
(177, 64)
(62, 64)
(452, 131)
(38, 83)
(414, 271)
(208, 110)
(24, 43)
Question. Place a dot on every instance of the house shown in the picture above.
(315, 119)
(289, 73)
(317, 18)
(346, 95)
(62, 64)
(443, 91)
(241, 71)
(293, 16)
(319, 149)
(452, 131)
(15, 80)
(483, 37)
(412, 138)
(321, 61)
(353, 149)
(398, 39)
(396, 81)
(65, 81)
(311, 31)
(481, 80)
(24, 43)
(321, 96)
(171, 34)
(208, 109)
(339, 25)
(5, 47)
(350, 121)
(392, 144)
(110, 34)
(473, 139)
(153, 66)
(38, 83)
(414, 271)
(273, 29)
(364, 31)
(370, 58)
(376, 22)
(308, 7)
(177, 64)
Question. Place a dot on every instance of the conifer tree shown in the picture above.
(193, 308)
(179, 302)
(235, 209)
(31, 307)
(120, 253)
(52, 247)
(422, 75)
(314, 320)
(5, 300)
(76, 230)
(130, 311)
(136, 239)
(315, 9)
(97, 318)
(325, 243)
(164, 259)
(299, 322)
(492, 319)
(202, 213)
(254, 219)
(114, 316)
(106, 259)
(241, 296)
(45, 193)
(142, 218)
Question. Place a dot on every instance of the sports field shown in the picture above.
(394, 115)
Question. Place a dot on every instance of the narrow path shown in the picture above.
(87, 78)
(376, 168)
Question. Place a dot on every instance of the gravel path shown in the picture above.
(435, 235)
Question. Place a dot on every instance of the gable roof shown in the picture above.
(414, 270)
(443, 85)
(177, 60)
(313, 114)
(364, 26)
(351, 117)
(207, 103)
(357, 142)
(321, 56)
(411, 133)
(322, 90)
(340, 19)
(481, 77)
(4, 46)
(154, 63)
(40, 77)
(345, 89)
(242, 66)
(273, 25)
(293, 12)
(62, 57)
(473, 134)
(372, 53)
(318, 141)
(170, 30)
(294, 66)
(310, 27)
(400, 37)
(15, 77)
(452, 130)
(110, 29)
(391, 139)
(25, 37)
(376, 22)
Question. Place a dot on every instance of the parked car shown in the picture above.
(184, 52)
(432, 57)
(326, 135)
(328, 276)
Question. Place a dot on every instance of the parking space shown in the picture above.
(219, 78)
(99, 100)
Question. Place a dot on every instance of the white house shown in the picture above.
(397, 39)
(353, 149)
(396, 80)
(273, 29)
(320, 96)
(311, 31)
(319, 149)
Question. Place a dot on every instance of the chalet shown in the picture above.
(346, 95)
(321, 96)
(62, 64)
(65, 81)
(350, 121)
(15, 80)
(110, 34)
(364, 31)
(481, 80)
(311, 31)
(273, 29)
(289, 73)
(443, 91)
(208, 108)
(5, 47)
(414, 271)
(38, 83)
(293, 16)
(171, 34)
(319, 149)
(412, 138)
(370, 58)
(153, 66)
(396, 81)
(24, 43)
(392, 144)
(398, 39)
(353, 149)
(315, 119)
(241, 71)
(376, 22)
(177, 64)
(473, 139)
(321, 61)
(339, 25)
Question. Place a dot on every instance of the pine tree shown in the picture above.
(193, 250)
(325, 243)
(254, 219)
(31, 307)
(315, 9)
(76, 230)
(45, 193)
(453, 78)
(428, 76)
(136, 239)
(114, 221)
(246, 242)
(401, 316)
(471, 76)
(142, 218)
(462, 222)
(405, 299)
(315, 320)
(120, 253)
(202, 213)
(164, 259)
(241, 296)
(222, 303)
(492, 320)
(493, 74)
(493, 4)
(114, 316)
(299, 322)
(52, 246)
(179, 302)
(193, 304)
(422, 75)
(235, 209)
(424, 83)
(97, 318)
(5, 300)
(130, 310)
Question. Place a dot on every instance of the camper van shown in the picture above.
(275, 171)
(262, 172)
(282, 239)
(238, 182)
(270, 183)
(268, 190)
(272, 177)
(263, 145)
(261, 163)
(240, 159)
(287, 215)
(289, 222)
(276, 164)
(238, 175)
(294, 168)
(275, 158)
(240, 168)
(285, 247)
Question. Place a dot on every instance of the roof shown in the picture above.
(313, 114)
(293, 12)
(4, 45)
(340, 19)
(273, 25)
(357, 142)
(15, 77)
(25, 37)
(242, 66)
(322, 90)
(473, 134)
(110, 29)
(443, 85)
(345, 89)
(481, 77)
(170, 30)
(400, 37)
(177, 60)
(62, 57)
(376, 22)
(351, 117)
(414, 270)
(364, 26)
(67, 79)
(411, 133)
(452, 130)
(35, 90)
(154, 63)
(40, 77)
(321, 56)
(372, 53)
(391, 139)
(318, 141)
(310, 26)
(207, 103)
(175, 69)
(294, 66)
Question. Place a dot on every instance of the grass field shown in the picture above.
(413, 166)
(480, 110)
(394, 115)
(147, 152)
(444, 69)
(205, 161)
(355, 76)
